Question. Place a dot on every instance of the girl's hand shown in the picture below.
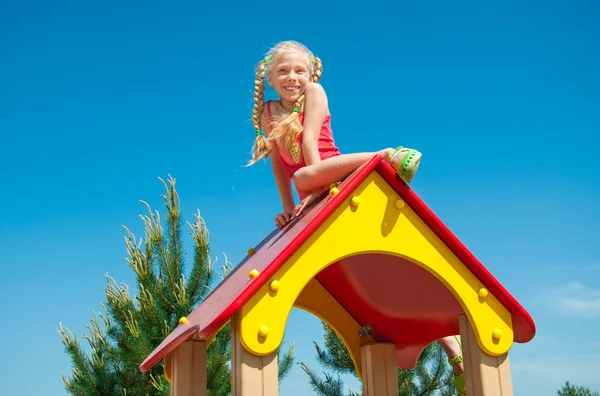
(288, 215)
(283, 218)
(303, 204)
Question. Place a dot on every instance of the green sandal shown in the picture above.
(409, 164)
(459, 380)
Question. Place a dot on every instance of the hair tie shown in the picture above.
(258, 132)
(297, 109)
(266, 59)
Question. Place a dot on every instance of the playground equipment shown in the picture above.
(375, 263)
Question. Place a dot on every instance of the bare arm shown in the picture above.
(284, 184)
(315, 111)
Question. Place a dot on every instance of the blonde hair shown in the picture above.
(288, 127)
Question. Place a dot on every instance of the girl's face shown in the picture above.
(289, 76)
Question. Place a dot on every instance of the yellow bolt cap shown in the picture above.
(263, 331)
(483, 292)
(253, 274)
(334, 191)
(399, 204)
(183, 320)
(251, 251)
(497, 334)
(355, 201)
(274, 285)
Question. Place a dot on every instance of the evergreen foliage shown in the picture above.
(432, 375)
(129, 328)
(572, 390)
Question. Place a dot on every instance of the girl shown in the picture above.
(300, 141)
(298, 127)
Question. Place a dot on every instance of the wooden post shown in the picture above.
(378, 363)
(188, 369)
(485, 375)
(251, 375)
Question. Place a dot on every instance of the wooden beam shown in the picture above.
(187, 369)
(379, 373)
(251, 375)
(485, 375)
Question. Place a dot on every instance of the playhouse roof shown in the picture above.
(270, 254)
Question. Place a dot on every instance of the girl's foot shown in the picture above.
(405, 162)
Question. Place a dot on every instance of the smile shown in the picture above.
(291, 88)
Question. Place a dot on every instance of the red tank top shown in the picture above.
(294, 160)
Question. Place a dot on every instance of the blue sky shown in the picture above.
(98, 100)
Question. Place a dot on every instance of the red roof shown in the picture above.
(414, 310)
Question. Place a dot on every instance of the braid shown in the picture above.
(259, 91)
(318, 69)
(261, 147)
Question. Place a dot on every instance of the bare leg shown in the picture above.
(323, 173)
(452, 349)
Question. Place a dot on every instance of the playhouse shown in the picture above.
(375, 263)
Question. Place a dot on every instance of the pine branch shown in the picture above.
(83, 371)
(201, 274)
(140, 263)
(572, 390)
(327, 387)
(285, 361)
(219, 353)
(157, 243)
(335, 356)
(173, 237)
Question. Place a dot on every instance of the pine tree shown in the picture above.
(129, 328)
(432, 375)
(572, 390)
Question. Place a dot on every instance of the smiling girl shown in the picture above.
(298, 131)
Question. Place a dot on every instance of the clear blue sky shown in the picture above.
(99, 99)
